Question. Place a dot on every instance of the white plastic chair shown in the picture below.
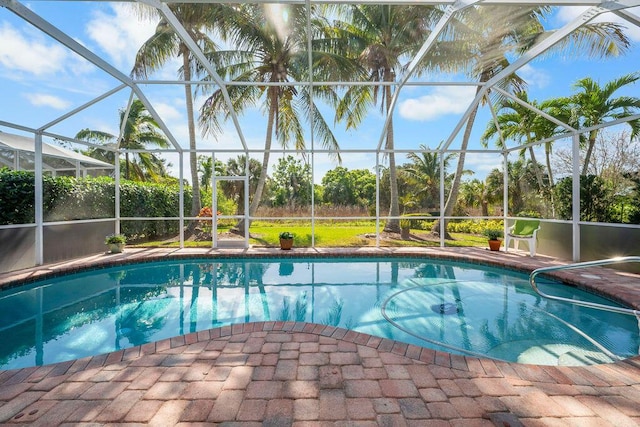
(523, 229)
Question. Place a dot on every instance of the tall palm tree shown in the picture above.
(595, 104)
(546, 129)
(165, 44)
(526, 126)
(264, 53)
(140, 132)
(518, 123)
(384, 39)
(488, 35)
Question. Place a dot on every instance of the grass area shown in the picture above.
(334, 234)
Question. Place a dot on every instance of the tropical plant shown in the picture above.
(234, 189)
(112, 239)
(522, 186)
(488, 35)
(263, 53)
(493, 233)
(384, 39)
(346, 187)
(518, 123)
(424, 173)
(286, 235)
(595, 104)
(205, 169)
(166, 44)
(292, 183)
(596, 199)
(476, 193)
(140, 131)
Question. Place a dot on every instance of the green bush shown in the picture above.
(417, 224)
(16, 197)
(67, 198)
(474, 226)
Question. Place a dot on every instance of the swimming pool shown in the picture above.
(455, 307)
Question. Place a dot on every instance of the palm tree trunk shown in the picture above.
(455, 185)
(536, 168)
(193, 156)
(547, 153)
(393, 224)
(587, 157)
(257, 196)
(126, 165)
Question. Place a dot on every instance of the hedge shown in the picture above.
(66, 198)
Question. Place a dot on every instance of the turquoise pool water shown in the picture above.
(460, 308)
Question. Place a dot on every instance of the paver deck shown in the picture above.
(304, 374)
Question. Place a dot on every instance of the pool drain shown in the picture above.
(445, 308)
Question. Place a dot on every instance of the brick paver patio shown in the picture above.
(304, 374)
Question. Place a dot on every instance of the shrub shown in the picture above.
(66, 198)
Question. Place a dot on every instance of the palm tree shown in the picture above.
(522, 184)
(166, 44)
(263, 53)
(205, 169)
(593, 105)
(518, 123)
(545, 129)
(489, 35)
(526, 126)
(140, 131)
(476, 193)
(384, 39)
(234, 190)
(424, 170)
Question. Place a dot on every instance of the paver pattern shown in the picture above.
(305, 374)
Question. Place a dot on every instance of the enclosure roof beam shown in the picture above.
(534, 109)
(29, 16)
(628, 16)
(532, 53)
(408, 2)
(82, 107)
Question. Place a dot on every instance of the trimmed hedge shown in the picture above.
(66, 198)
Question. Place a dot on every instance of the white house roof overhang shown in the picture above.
(69, 159)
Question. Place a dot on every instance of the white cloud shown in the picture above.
(33, 55)
(167, 112)
(534, 77)
(441, 101)
(569, 13)
(43, 100)
(120, 33)
(482, 164)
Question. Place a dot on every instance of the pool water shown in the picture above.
(459, 308)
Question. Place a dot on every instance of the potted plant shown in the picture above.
(286, 240)
(115, 242)
(494, 234)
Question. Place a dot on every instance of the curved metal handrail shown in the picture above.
(618, 260)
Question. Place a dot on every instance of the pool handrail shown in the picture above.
(617, 260)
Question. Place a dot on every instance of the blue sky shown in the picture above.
(44, 80)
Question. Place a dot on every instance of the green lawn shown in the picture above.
(334, 234)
